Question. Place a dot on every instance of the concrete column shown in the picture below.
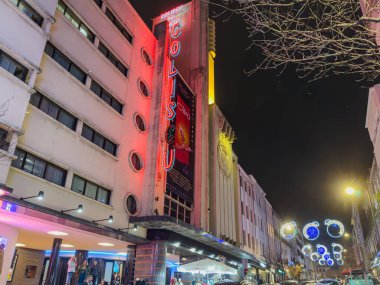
(32, 77)
(69, 179)
(11, 234)
(150, 262)
(53, 264)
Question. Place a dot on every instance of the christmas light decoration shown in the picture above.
(315, 256)
(322, 262)
(311, 231)
(334, 228)
(340, 262)
(330, 262)
(337, 248)
(337, 255)
(321, 249)
(288, 230)
(307, 250)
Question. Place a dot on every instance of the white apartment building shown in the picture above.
(76, 85)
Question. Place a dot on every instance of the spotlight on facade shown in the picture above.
(134, 228)
(109, 219)
(79, 209)
(40, 196)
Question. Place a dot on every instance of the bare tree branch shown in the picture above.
(319, 36)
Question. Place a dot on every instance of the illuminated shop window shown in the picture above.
(131, 204)
(139, 123)
(177, 207)
(143, 89)
(146, 57)
(28, 11)
(136, 161)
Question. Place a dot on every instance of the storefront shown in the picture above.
(37, 244)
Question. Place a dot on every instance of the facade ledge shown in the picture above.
(29, 21)
(47, 214)
(190, 232)
(17, 81)
(8, 126)
(6, 154)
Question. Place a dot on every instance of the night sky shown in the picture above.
(302, 141)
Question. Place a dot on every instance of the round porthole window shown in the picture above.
(140, 123)
(136, 161)
(131, 204)
(146, 57)
(143, 89)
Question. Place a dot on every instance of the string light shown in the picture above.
(311, 231)
(337, 248)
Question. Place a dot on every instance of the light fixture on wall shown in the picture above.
(130, 228)
(5, 190)
(109, 219)
(78, 210)
(39, 196)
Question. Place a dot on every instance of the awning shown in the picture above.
(188, 231)
(207, 266)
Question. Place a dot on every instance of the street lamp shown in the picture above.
(350, 191)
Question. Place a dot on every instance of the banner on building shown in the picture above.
(180, 179)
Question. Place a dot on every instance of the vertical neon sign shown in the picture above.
(174, 50)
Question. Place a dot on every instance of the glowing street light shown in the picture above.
(346, 235)
(350, 191)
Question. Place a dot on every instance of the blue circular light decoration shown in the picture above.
(330, 262)
(340, 262)
(326, 256)
(311, 231)
(334, 225)
(322, 262)
(307, 250)
(321, 249)
(288, 230)
(314, 256)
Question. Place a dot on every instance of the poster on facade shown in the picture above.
(180, 178)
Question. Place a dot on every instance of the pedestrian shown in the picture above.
(94, 271)
(115, 279)
(83, 272)
(89, 281)
(143, 281)
(138, 281)
(179, 282)
(103, 282)
(71, 264)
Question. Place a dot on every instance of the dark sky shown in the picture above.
(302, 141)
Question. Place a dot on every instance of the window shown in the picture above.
(244, 242)
(136, 161)
(249, 240)
(131, 204)
(65, 62)
(12, 66)
(39, 167)
(98, 139)
(118, 25)
(28, 11)
(99, 3)
(4, 139)
(113, 59)
(146, 57)
(91, 190)
(242, 208)
(177, 207)
(106, 97)
(143, 88)
(75, 22)
(139, 123)
(53, 110)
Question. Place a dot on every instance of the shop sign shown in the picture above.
(8, 206)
